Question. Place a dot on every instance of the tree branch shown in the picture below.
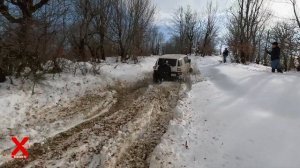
(14, 2)
(295, 12)
(39, 5)
(4, 11)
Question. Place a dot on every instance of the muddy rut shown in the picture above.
(123, 136)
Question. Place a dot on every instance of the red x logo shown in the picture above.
(20, 147)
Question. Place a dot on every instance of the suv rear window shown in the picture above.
(171, 62)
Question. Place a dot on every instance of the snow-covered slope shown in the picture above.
(239, 117)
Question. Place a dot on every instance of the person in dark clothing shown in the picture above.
(2, 76)
(164, 72)
(225, 54)
(275, 57)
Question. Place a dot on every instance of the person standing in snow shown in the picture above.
(164, 71)
(275, 57)
(2, 76)
(225, 54)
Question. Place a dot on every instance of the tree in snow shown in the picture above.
(210, 30)
(247, 20)
(80, 32)
(130, 22)
(28, 34)
(20, 16)
(192, 34)
(185, 31)
(156, 39)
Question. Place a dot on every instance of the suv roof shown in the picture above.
(173, 56)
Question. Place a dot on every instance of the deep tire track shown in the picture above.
(78, 146)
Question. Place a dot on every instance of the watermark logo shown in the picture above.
(20, 148)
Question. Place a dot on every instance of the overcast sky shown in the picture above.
(165, 8)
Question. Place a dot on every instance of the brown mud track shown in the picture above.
(124, 136)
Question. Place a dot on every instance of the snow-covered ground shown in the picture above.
(238, 117)
(17, 103)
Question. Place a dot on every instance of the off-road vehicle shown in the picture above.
(172, 67)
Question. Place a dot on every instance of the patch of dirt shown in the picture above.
(133, 147)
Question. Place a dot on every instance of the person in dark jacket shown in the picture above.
(225, 54)
(275, 57)
(2, 76)
(164, 72)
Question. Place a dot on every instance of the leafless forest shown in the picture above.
(33, 32)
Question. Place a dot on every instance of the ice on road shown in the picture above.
(239, 117)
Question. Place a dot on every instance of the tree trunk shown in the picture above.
(102, 41)
(258, 53)
(243, 57)
(204, 45)
(295, 12)
(102, 50)
(82, 49)
(122, 52)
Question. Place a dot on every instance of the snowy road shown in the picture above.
(240, 117)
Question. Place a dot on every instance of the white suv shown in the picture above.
(170, 67)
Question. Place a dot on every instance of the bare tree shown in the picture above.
(80, 31)
(156, 38)
(178, 30)
(191, 28)
(246, 21)
(185, 30)
(102, 11)
(143, 18)
(26, 24)
(210, 30)
(27, 8)
(131, 21)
